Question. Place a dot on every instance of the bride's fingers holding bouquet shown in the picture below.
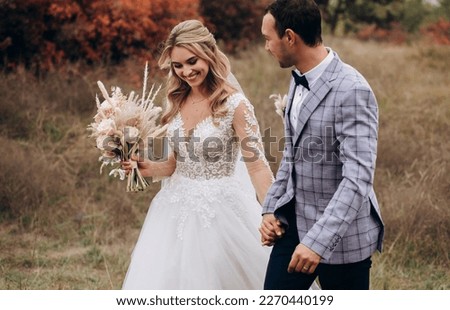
(127, 166)
(131, 164)
(145, 166)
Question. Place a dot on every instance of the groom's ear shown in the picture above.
(291, 36)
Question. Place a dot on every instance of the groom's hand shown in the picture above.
(271, 229)
(303, 260)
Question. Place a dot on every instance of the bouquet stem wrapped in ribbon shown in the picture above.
(122, 126)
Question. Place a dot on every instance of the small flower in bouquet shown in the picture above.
(121, 126)
(280, 104)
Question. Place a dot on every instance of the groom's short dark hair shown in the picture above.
(302, 16)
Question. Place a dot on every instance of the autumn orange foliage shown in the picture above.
(394, 34)
(45, 33)
(438, 32)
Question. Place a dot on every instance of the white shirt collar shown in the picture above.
(313, 75)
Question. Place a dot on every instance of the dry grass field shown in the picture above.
(64, 226)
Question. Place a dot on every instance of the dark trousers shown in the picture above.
(354, 276)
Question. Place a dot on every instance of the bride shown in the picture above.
(201, 231)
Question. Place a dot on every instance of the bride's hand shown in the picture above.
(271, 229)
(135, 162)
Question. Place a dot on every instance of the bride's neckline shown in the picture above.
(195, 127)
(198, 124)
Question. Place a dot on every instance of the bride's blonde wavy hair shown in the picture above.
(196, 38)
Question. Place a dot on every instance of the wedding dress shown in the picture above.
(201, 230)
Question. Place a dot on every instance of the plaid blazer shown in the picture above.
(328, 166)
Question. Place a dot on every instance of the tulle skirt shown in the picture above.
(200, 234)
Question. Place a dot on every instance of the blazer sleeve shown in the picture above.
(278, 188)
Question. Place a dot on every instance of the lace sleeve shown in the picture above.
(247, 130)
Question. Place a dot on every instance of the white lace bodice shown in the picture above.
(211, 149)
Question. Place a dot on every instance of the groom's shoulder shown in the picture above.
(349, 77)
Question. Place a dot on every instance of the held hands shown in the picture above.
(271, 229)
(303, 259)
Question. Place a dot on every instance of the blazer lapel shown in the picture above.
(318, 92)
(288, 126)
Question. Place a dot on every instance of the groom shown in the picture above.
(323, 198)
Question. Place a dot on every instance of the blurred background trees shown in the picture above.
(235, 22)
(44, 34)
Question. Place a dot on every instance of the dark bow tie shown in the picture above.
(300, 80)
